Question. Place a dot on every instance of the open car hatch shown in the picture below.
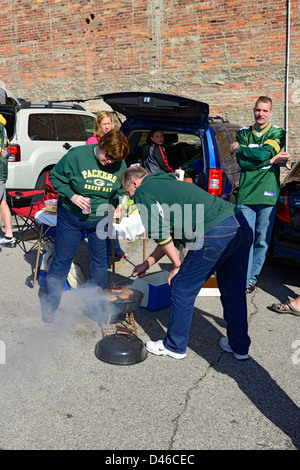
(157, 106)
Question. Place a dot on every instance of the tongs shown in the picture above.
(128, 277)
(127, 259)
(124, 280)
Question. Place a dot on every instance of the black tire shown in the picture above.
(40, 184)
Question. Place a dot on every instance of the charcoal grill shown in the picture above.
(121, 317)
(124, 306)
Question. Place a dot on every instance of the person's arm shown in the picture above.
(170, 251)
(161, 159)
(255, 157)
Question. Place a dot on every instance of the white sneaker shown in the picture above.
(224, 344)
(157, 347)
(9, 242)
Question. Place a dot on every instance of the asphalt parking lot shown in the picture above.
(57, 395)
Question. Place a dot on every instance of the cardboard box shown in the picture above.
(210, 288)
(155, 288)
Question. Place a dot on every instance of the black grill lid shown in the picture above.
(121, 349)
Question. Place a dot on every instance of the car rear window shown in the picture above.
(60, 126)
(223, 142)
(41, 127)
(228, 161)
(70, 127)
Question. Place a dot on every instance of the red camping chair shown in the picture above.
(28, 212)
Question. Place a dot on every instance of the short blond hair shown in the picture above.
(264, 99)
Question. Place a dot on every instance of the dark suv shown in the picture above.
(193, 141)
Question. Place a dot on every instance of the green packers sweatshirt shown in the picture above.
(80, 172)
(178, 211)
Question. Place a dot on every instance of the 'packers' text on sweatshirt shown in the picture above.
(80, 172)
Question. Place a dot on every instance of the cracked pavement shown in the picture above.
(57, 395)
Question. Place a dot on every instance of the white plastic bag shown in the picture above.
(130, 227)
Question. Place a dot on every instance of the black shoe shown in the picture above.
(251, 288)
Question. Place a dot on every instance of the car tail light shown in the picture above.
(14, 153)
(215, 182)
(283, 211)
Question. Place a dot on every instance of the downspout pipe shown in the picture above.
(287, 73)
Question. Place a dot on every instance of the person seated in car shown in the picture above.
(156, 159)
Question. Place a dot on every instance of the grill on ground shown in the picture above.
(122, 345)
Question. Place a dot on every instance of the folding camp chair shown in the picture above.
(30, 228)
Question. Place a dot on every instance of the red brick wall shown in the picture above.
(224, 52)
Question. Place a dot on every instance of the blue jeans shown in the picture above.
(261, 218)
(225, 250)
(69, 232)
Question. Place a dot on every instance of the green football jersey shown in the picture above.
(260, 180)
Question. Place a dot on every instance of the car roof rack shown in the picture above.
(217, 119)
(50, 104)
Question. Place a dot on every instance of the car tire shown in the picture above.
(40, 184)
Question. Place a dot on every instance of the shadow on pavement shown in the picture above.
(252, 379)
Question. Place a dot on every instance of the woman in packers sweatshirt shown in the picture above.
(88, 180)
(104, 124)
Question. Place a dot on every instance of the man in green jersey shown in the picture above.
(259, 156)
(219, 237)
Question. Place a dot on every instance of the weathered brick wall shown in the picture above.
(224, 52)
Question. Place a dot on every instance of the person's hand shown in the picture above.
(172, 274)
(233, 147)
(4, 153)
(140, 269)
(280, 159)
(80, 201)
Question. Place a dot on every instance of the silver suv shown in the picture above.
(40, 133)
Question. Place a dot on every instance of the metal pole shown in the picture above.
(287, 74)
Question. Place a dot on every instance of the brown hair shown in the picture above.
(135, 171)
(264, 99)
(115, 143)
(99, 116)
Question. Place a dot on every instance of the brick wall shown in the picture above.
(224, 52)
